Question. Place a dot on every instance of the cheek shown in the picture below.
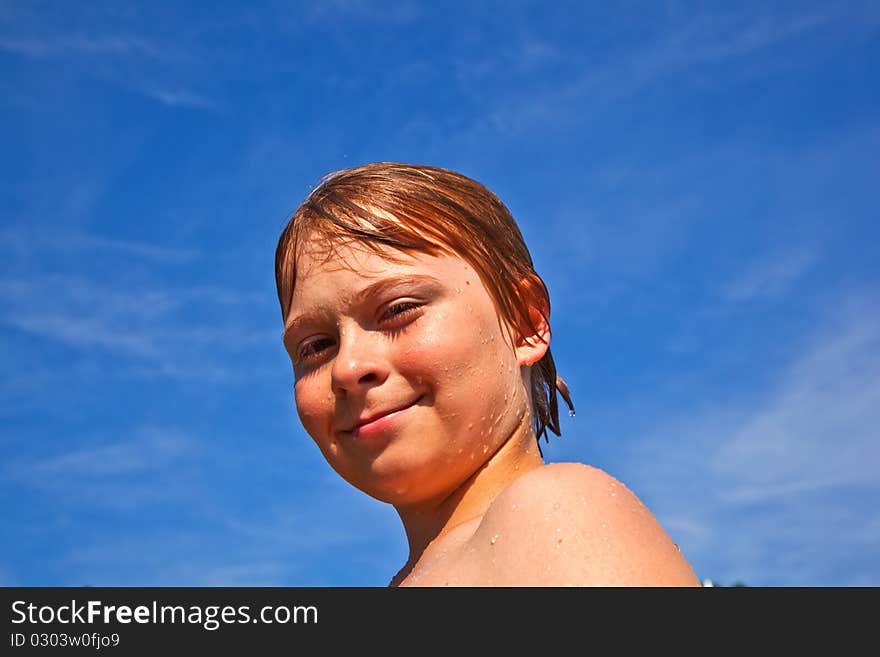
(461, 351)
(312, 405)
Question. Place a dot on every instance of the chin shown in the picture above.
(401, 487)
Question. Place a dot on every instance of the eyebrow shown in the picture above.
(371, 290)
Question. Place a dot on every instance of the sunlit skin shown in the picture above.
(418, 395)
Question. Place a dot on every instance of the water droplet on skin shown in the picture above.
(546, 518)
(604, 525)
(485, 448)
(493, 539)
(513, 507)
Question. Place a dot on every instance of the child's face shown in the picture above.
(404, 377)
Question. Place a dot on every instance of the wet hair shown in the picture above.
(416, 208)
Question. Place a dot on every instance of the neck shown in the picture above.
(427, 521)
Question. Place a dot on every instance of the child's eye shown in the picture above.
(313, 348)
(400, 309)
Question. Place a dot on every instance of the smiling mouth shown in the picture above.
(380, 421)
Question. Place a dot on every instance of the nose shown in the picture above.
(360, 362)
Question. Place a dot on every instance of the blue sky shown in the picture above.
(697, 183)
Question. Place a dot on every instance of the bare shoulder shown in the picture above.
(576, 525)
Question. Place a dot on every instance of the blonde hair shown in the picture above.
(431, 210)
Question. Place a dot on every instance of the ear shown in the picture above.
(535, 333)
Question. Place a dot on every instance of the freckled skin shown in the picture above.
(447, 356)
(459, 462)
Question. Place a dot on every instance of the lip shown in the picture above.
(377, 422)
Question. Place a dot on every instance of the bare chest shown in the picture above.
(454, 560)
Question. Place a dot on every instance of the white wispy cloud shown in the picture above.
(136, 62)
(139, 322)
(141, 468)
(715, 36)
(771, 275)
(121, 474)
(281, 542)
(693, 39)
(85, 314)
(820, 428)
(27, 244)
(151, 448)
(154, 252)
(84, 332)
(754, 484)
(184, 558)
(177, 97)
(78, 44)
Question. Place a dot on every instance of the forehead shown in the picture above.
(326, 254)
(319, 254)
